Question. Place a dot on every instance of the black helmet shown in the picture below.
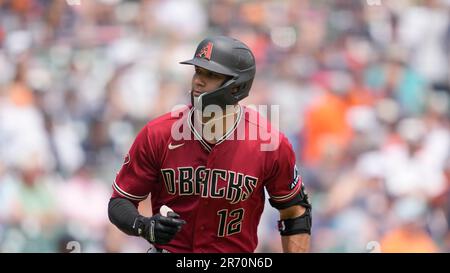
(228, 56)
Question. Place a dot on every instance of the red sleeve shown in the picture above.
(139, 171)
(284, 182)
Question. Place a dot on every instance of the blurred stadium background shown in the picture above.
(363, 88)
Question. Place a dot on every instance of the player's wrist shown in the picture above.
(140, 226)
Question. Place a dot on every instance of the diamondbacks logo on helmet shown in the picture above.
(205, 52)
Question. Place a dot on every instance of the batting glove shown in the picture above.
(159, 229)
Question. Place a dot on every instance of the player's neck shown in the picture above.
(215, 127)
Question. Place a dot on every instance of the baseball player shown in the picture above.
(207, 187)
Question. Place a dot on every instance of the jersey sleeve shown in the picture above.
(284, 181)
(139, 172)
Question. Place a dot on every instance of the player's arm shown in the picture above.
(133, 184)
(122, 213)
(296, 242)
(295, 222)
(287, 194)
(156, 229)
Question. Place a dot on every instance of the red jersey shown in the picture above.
(217, 189)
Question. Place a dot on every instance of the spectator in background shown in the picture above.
(32, 216)
(326, 126)
(392, 78)
(410, 235)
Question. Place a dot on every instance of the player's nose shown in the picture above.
(198, 81)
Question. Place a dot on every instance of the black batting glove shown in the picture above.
(159, 229)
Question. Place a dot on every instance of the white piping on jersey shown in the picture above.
(128, 195)
(196, 134)
(287, 196)
(220, 140)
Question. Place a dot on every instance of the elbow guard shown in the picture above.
(301, 224)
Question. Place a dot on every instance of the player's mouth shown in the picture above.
(197, 93)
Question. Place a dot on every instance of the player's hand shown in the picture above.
(160, 229)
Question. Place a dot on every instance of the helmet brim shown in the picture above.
(210, 65)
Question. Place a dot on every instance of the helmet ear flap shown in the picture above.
(239, 93)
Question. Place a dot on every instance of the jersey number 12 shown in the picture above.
(230, 222)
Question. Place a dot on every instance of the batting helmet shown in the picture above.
(228, 56)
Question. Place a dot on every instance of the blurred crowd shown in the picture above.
(363, 89)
